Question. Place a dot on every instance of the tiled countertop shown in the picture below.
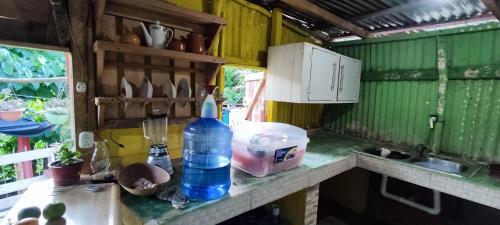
(326, 157)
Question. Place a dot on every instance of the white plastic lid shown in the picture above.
(268, 136)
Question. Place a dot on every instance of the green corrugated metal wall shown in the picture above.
(392, 111)
(399, 91)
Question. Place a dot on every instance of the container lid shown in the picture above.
(268, 136)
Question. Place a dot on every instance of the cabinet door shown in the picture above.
(322, 77)
(349, 79)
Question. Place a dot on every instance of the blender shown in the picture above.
(155, 130)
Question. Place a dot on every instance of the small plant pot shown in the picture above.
(11, 115)
(56, 119)
(66, 175)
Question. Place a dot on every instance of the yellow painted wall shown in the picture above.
(198, 5)
(137, 147)
(246, 37)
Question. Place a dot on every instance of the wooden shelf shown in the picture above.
(101, 103)
(156, 10)
(104, 100)
(116, 60)
(148, 51)
(101, 47)
(135, 123)
(160, 8)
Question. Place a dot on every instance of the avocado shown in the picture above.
(28, 212)
(54, 211)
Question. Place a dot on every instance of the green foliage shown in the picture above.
(66, 155)
(39, 163)
(234, 85)
(30, 63)
(8, 145)
(34, 110)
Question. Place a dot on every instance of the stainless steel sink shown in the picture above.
(450, 166)
(394, 154)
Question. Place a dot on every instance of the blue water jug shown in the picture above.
(206, 155)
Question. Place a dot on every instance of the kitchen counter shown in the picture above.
(326, 157)
(479, 188)
(82, 207)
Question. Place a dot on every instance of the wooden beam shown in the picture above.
(255, 98)
(32, 80)
(60, 15)
(493, 6)
(82, 69)
(26, 10)
(99, 14)
(276, 26)
(19, 44)
(316, 11)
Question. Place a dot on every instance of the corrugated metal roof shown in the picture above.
(384, 15)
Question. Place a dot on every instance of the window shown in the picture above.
(244, 98)
(34, 86)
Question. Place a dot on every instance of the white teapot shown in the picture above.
(158, 36)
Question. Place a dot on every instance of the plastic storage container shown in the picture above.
(206, 155)
(265, 148)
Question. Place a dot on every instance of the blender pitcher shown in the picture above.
(155, 130)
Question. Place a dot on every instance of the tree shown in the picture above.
(234, 84)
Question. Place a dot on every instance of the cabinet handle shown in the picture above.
(341, 78)
(333, 76)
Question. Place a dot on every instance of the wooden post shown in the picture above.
(255, 99)
(276, 30)
(23, 145)
(82, 63)
(276, 26)
(82, 70)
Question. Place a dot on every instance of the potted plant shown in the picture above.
(66, 170)
(11, 108)
(56, 111)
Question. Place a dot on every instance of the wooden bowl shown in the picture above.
(131, 173)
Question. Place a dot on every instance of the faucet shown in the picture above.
(421, 149)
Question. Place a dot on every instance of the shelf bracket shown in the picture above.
(212, 70)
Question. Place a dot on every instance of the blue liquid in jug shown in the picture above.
(206, 159)
(206, 183)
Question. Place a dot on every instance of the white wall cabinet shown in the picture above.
(306, 73)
